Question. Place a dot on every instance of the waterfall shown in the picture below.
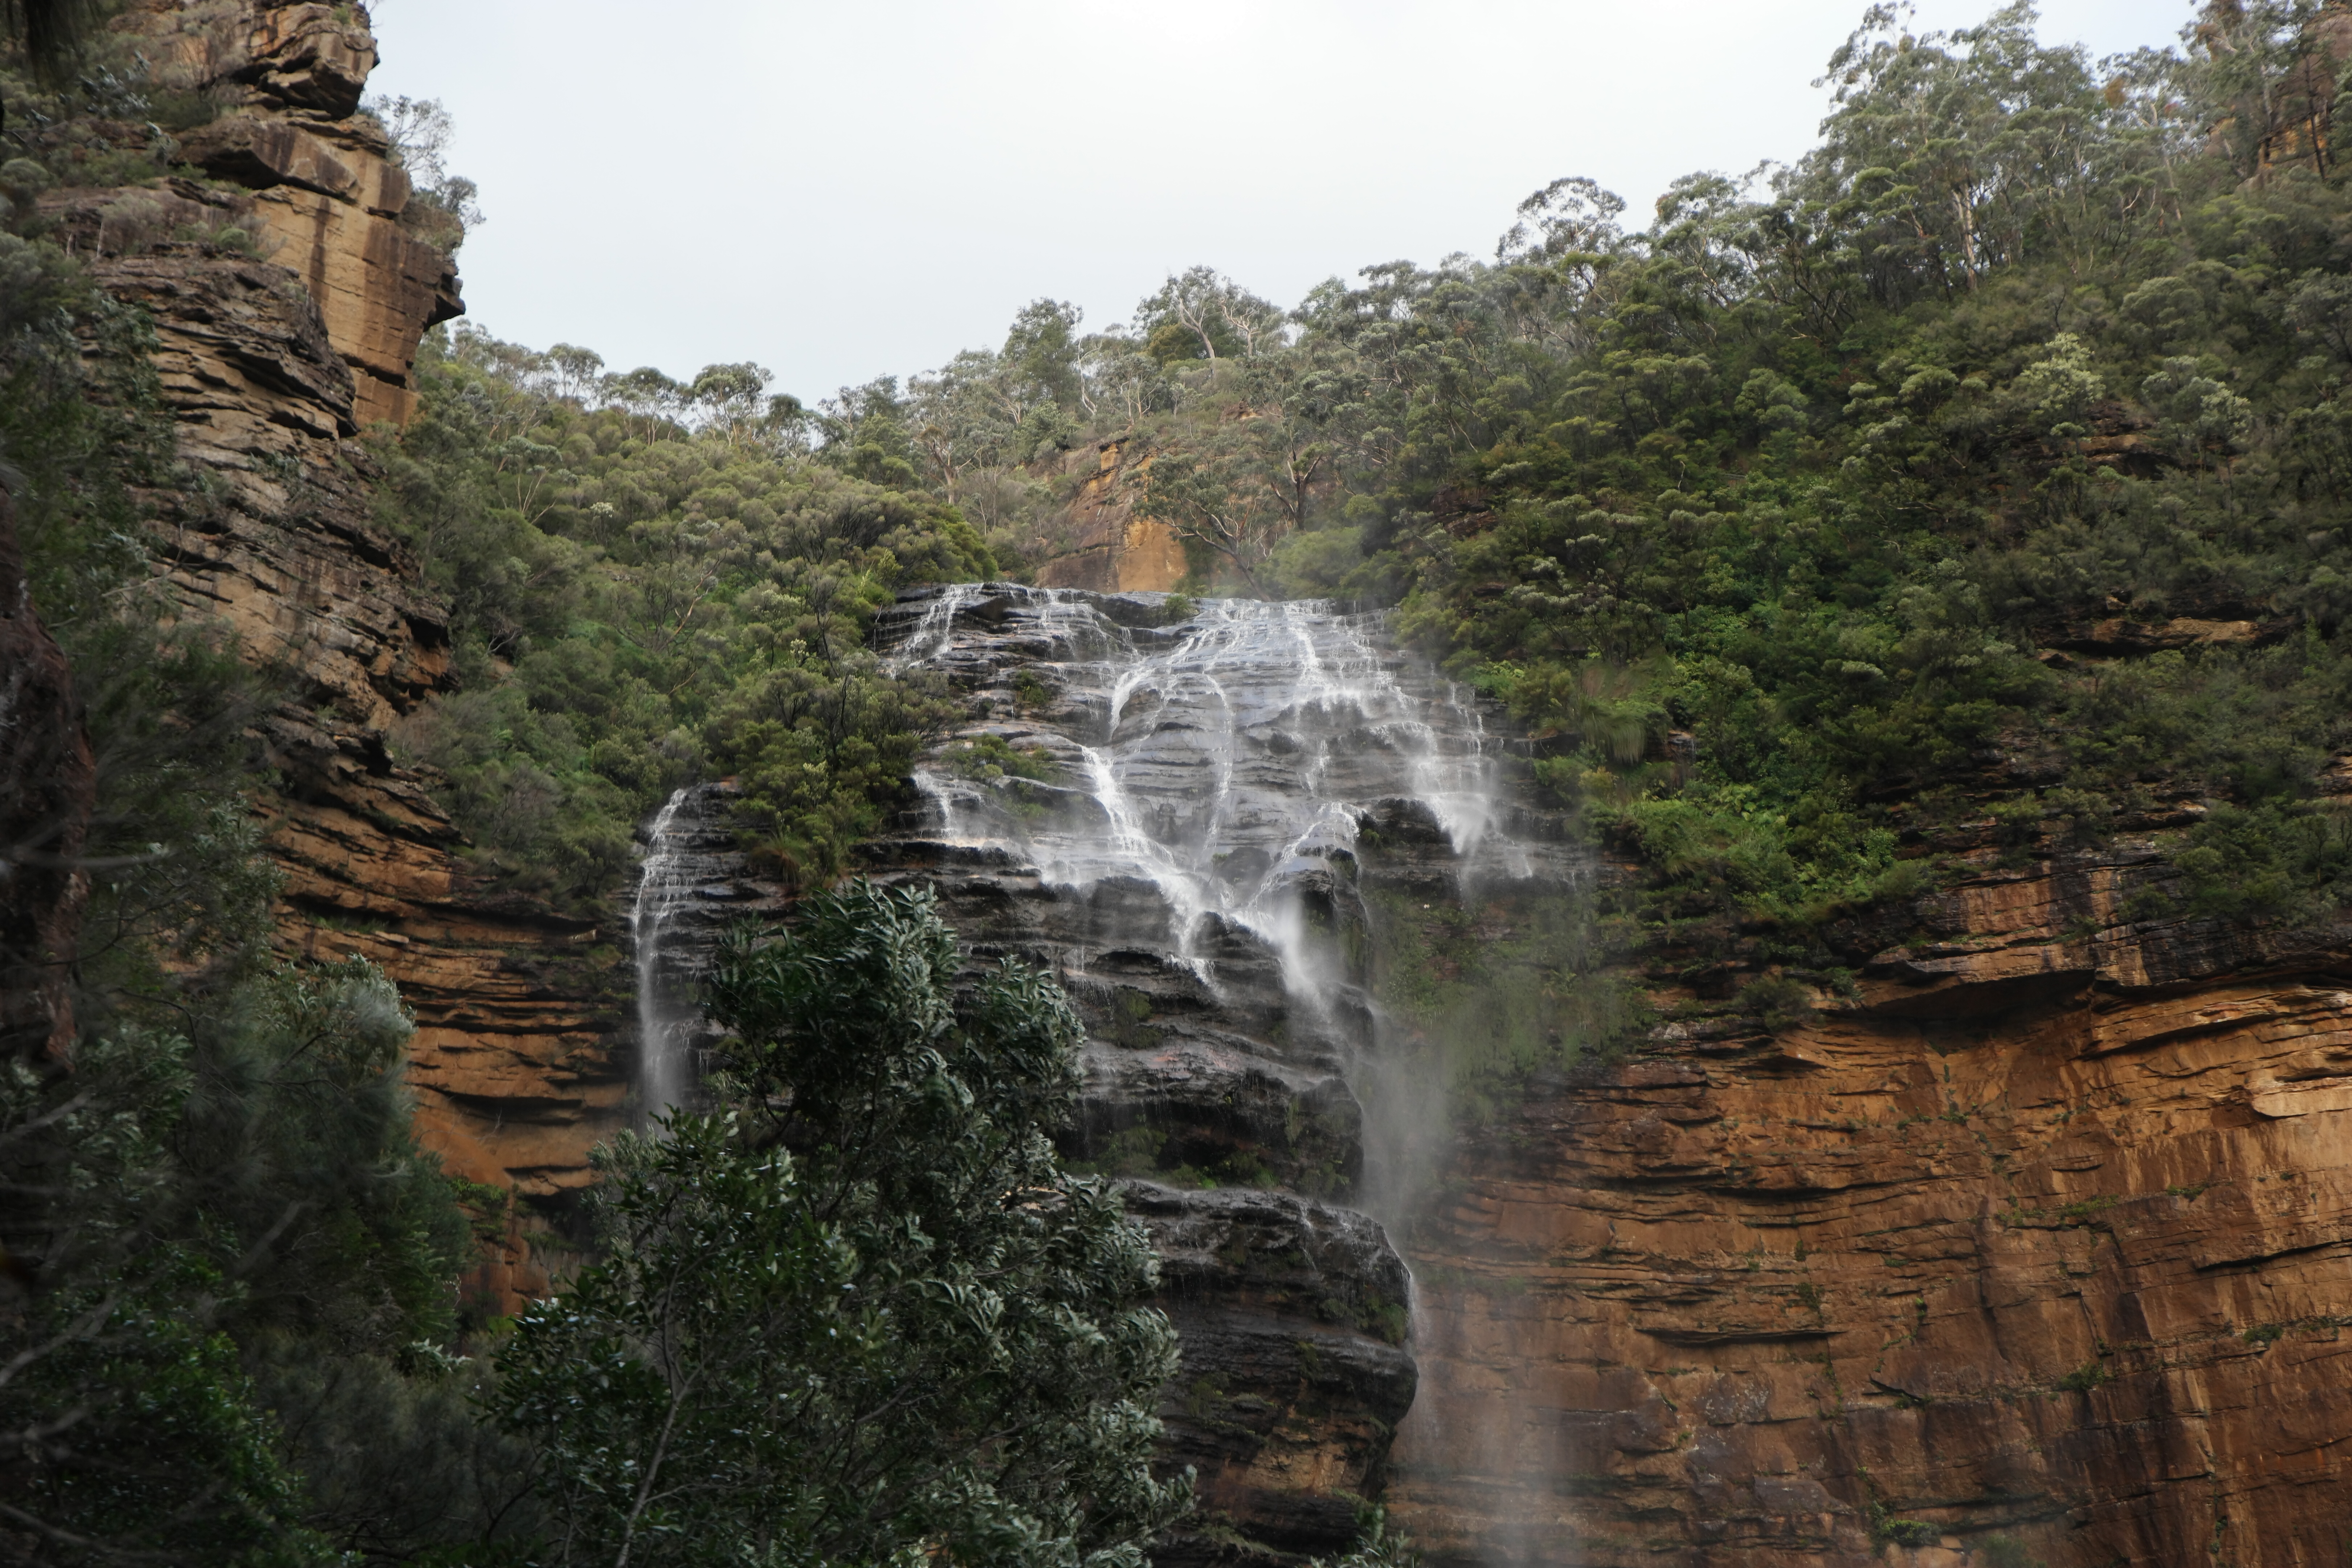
(1257, 733)
(664, 1058)
(1300, 897)
(1234, 765)
(934, 632)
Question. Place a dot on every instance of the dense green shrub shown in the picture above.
(647, 584)
(860, 1314)
(191, 1209)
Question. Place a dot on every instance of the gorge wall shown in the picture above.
(1175, 813)
(287, 300)
(2040, 1240)
(2033, 1248)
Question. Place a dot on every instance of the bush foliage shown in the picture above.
(648, 582)
(861, 1315)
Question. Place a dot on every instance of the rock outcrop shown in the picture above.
(318, 192)
(1099, 541)
(2032, 1250)
(2027, 1245)
(1290, 1310)
(287, 302)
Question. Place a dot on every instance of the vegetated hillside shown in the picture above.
(1976, 478)
(636, 600)
(1979, 474)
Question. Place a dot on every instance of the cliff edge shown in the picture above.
(287, 300)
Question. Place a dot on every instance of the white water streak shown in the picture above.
(1227, 760)
(664, 1060)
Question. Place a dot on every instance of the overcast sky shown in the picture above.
(844, 189)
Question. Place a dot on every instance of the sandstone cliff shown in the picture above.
(2034, 1251)
(287, 301)
(1098, 542)
(317, 190)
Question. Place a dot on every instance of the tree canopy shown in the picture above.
(1973, 481)
(860, 1314)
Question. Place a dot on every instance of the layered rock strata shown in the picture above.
(1290, 1310)
(287, 301)
(1188, 821)
(310, 179)
(2025, 1246)
(2033, 1250)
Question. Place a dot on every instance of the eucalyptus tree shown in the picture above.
(1200, 313)
(985, 412)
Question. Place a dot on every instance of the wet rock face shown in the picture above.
(1291, 1314)
(1187, 821)
(693, 883)
(2030, 1247)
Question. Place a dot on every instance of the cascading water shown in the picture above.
(1233, 764)
(1297, 893)
(1274, 862)
(665, 1058)
(931, 634)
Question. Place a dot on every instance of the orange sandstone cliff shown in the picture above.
(2039, 1249)
(287, 301)
(1098, 541)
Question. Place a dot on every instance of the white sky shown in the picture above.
(839, 189)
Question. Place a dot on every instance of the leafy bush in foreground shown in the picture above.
(860, 1314)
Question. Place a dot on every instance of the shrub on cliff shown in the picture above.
(859, 1314)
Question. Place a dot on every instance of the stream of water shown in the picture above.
(664, 1056)
(1234, 762)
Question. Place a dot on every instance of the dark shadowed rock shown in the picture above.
(47, 789)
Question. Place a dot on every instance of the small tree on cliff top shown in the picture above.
(860, 1315)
